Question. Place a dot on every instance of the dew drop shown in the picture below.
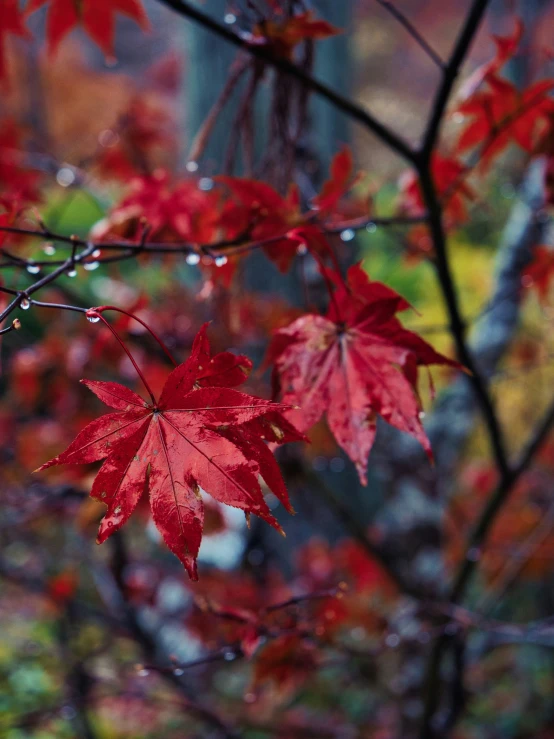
(91, 266)
(143, 672)
(191, 166)
(371, 228)
(392, 640)
(206, 184)
(302, 249)
(220, 261)
(348, 234)
(421, 415)
(65, 177)
(229, 655)
(192, 259)
(117, 509)
(230, 18)
(178, 671)
(25, 304)
(72, 273)
(33, 269)
(49, 249)
(96, 253)
(93, 319)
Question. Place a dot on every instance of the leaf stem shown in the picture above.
(151, 331)
(92, 313)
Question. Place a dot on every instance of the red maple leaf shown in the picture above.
(355, 364)
(11, 21)
(500, 115)
(201, 434)
(96, 16)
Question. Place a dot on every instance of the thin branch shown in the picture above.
(476, 541)
(478, 536)
(414, 33)
(457, 323)
(451, 71)
(517, 561)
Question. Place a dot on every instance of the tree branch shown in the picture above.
(414, 33)
(451, 70)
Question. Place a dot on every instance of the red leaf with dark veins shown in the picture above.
(201, 435)
(355, 368)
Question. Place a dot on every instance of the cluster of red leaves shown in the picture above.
(341, 589)
(355, 364)
(201, 434)
(97, 18)
(497, 113)
(174, 210)
(501, 114)
(230, 209)
(494, 114)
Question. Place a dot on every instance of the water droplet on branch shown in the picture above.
(348, 234)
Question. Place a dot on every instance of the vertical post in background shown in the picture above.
(330, 127)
